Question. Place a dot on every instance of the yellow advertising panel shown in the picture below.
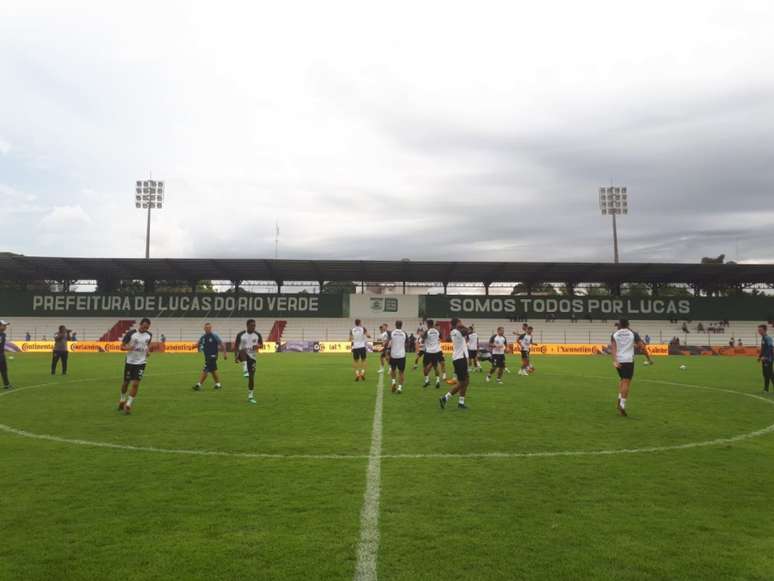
(35, 346)
(178, 347)
(660, 350)
(335, 346)
(94, 346)
(588, 349)
(115, 347)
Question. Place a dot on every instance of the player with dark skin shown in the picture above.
(459, 340)
(241, 355)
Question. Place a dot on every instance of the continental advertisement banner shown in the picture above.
(115, 347)
(589, 349)
(102, 347)
(576, 349)
(748, 308)
(18, 303)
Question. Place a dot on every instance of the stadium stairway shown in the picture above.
(276, 330)
(118, 330)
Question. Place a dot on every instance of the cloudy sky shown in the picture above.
(427, 130)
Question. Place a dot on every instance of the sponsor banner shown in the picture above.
(389, 307)
(11, 346)
(115, 347)
(335, 347)
(298, 346)
(35, 346)
(178, 347)
(659, 350)
(712, 351)
(339, 347)
(569, 349)
(94, 346)
(17, 303)
(749, 308)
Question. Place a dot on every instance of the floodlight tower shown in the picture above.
(614, 201)
(148, 195)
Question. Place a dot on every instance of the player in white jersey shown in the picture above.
(622, 347)
(473, 362)
(384, 337)
(359, 336)
(246, 346)
(433, 357)
(137, 344)
(397, 350)
(525, 342)
(460, 354)
(498, 345)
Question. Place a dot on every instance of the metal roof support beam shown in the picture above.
(275, 277)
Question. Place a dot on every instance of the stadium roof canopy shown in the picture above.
(33, 268)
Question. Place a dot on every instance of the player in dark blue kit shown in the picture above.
(210, 344)
(766, 356)
(3, 362)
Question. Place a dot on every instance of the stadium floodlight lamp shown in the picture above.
(148, 195)
(614, 201)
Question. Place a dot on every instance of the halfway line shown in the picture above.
(368, 548)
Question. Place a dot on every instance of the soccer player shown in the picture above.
(358, 335)
(766, 356)
(524, 330)
(525, 345)
(246, 345)
(622, 346)
(420, 347)
(61, 337)
(397, 350)
(497, 346)
(431, 340)
(136, 343)
(210, 344)
(460, 356)
(3, 362)
(384, 337)
(473, 361)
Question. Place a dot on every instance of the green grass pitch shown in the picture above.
(513, 488)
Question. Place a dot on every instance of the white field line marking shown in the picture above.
(380, 396)
(368, 548)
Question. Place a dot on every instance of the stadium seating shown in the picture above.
(337, 329)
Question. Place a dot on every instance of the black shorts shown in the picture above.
(133, 372)
(250, 364)
(359, 353)
(421, 353)
(432, 358)
(626, 371)
(472, 353)
(399, 364)
(461, 369)
(525, 354)
(210, 364)
(498, 361)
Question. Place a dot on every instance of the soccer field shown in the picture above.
(539, 479)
